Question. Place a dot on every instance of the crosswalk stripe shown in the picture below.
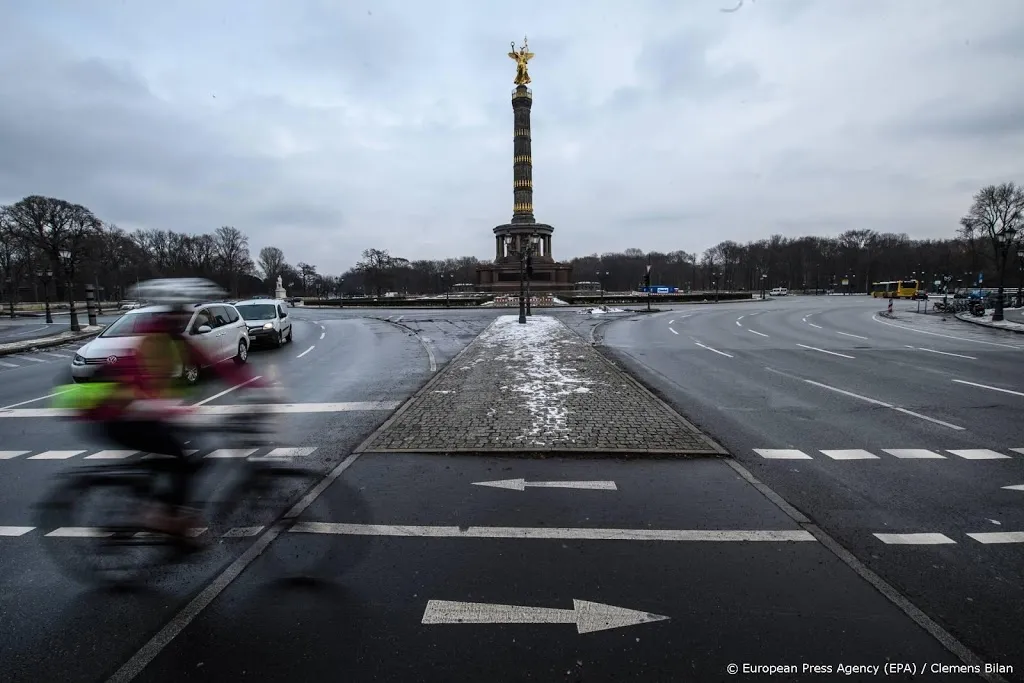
(999, 537)
(781, 454)
(1018, 450)
(55, 455)
(54, 355)
(913, 453)
(291, 452)
(9, 365)
(979, 454)
(79, 532)
(15, 530)
(243, 531)
(7, 455)
(111, 455)
(851, 454)
(914, 539)
(34, 360)
(232, 453)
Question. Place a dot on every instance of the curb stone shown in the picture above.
(46, 342)
(987, 324)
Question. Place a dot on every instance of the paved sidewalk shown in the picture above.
(536, 388)
(87, 332)
(1013, 320)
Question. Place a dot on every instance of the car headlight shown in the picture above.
(268, 326)
(79, 360)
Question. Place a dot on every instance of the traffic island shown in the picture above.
(28, 345)
(986, 321)
(532, 389)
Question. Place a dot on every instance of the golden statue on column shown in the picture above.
(522, 56)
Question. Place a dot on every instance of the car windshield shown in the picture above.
(130, 325)
(257, 311)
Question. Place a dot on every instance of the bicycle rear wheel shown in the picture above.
(94, 533)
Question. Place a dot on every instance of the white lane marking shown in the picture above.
(227, 391)
(782, 454)
(431, 359)
(947, 336)
(847, 334)
(818, 326)
(54, 355)
(399, 318)
(978, 454)
(876, 402)
(1018, 450)
(291, 452)
(522, 485)
(79, 532)
(243, 531)
(943, 353)
(9, 365)
(914, 539)
(34, 360)
(322, 327)
(913, 453)
(56, 455)
(679, 535)
(588, 616)
(33, 400)
(686, 316)
(148, 652)
(111, 455)
(1015, 487)
(672, 331)
(306, 351)
(831, 353)
(985, 386)
(232, 453)
(851, 454)
(720, 353)
(803, 319)
(671, 322)
(15, 530)
(7, 455)
(762, 334)
(323, 334)
(233, 409)
(999, 537)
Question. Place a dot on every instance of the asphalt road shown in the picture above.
(425, 574)
(857, 421)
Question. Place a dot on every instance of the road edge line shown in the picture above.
(180, 621)
(932, 627)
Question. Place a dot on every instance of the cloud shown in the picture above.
(325, 128)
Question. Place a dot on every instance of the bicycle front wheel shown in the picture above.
(94, 532)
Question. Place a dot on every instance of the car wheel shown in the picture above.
(279, 342)
(190, 374)
(289, 334)
(243, 353)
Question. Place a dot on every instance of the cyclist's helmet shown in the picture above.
(179, 295)
(177, 291)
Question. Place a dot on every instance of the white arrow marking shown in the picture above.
(522, 484)
(1018, 487)
(588, 616)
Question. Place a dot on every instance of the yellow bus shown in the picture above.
(894, 289)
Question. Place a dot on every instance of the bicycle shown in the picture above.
(118, 547)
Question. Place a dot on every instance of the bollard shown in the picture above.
(890, 306)
(90, 303)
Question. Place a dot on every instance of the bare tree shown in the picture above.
(232, 249)
(271, 264)
(998, 215)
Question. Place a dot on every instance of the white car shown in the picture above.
(216, 328)
(778, 291)
(267, 320)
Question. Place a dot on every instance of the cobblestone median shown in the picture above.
(540, 388)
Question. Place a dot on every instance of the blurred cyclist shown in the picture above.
(140, 400)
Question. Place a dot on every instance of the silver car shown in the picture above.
(267, 320)
(215, 328)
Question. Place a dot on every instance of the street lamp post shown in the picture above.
(1020, 278)
(10, 294)
(46, 276)
(521, 254)
(67, 263)
(531, 247)
(446, 283)
(600, 282)
(764, 284)
(1003, 240)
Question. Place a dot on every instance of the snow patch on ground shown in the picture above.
(600, 310)
(533, 353)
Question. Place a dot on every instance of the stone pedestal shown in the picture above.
(279, 293)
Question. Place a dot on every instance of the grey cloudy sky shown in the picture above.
(326, 128)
